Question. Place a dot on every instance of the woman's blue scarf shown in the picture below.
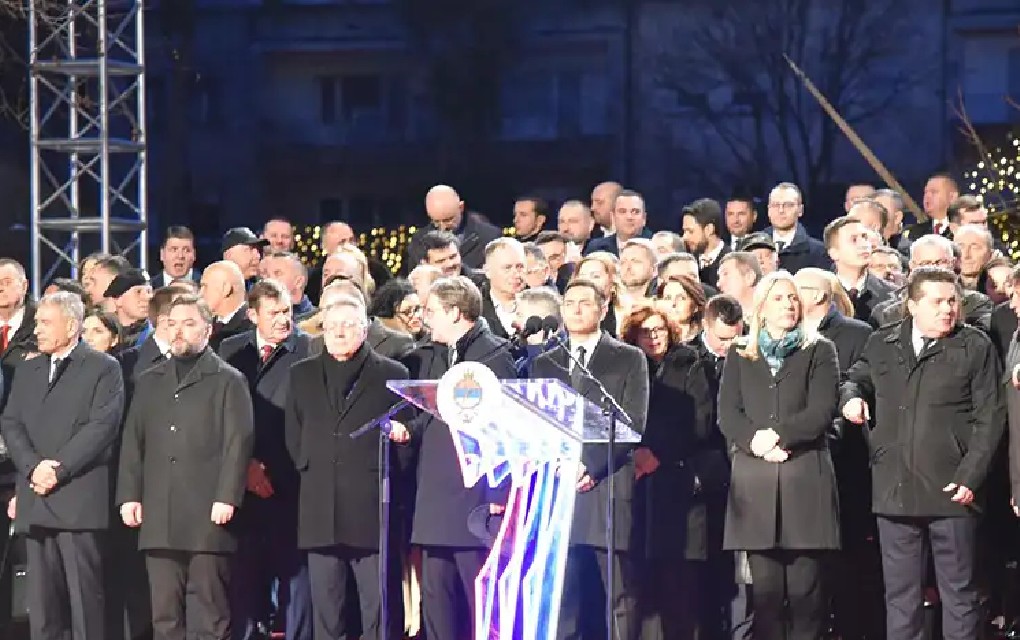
(775, 351)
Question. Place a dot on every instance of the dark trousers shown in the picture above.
(905, 544)
(128, 603)
(267, 554)
(448, 591)
(65, 585)
(671, 600)
(190, 595)
(582, 612)
(789, 601)
(331, 571)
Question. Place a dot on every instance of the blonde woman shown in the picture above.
(777, 401)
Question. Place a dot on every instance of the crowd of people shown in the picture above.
(822, 419)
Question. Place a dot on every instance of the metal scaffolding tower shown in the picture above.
(87, 102)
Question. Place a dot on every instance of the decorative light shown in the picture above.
(387, 245)
(997, 189)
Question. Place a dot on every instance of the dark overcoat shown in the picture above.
(339, 487)
(75, 421)
(186, 445)
(793, 504)
(936, 419)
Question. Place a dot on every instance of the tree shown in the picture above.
(727, 69)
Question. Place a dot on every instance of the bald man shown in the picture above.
(603, 199)
(224, 292)
(445, 210)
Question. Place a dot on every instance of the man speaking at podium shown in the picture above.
(623, 371)
(451, 555)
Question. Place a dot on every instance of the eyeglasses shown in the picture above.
(653, 332)
(411, 311)
(783, 206)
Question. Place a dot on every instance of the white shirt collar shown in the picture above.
(261, 342)
(709, 257)
(230, 316)
(917, 340)
(506, 315)
(164, 347)
(15, 322)
(63, 354)
(704, 341)
(785, 237)
(589, 345)
(859, 285)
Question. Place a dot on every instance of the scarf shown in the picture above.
(775, 351)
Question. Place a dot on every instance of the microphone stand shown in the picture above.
(612, 409)
(382, 423)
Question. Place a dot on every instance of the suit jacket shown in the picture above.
(623, 370)
(474, 233)
(709, 273)
(918, 229)
(75, 422)
(803, 251)
(239, 323)
(793, 504)
(610, 243)
(19, 346)
(159, 281)
(268, 385)
(1003, 325)
(136, 360)
(186, 445)
(443, 503)
(874, 293)
(490, 315)
(339, 495)
(848, 336)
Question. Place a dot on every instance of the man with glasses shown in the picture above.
(796, 248)
(935, 251)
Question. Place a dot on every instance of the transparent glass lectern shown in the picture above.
(530, 431)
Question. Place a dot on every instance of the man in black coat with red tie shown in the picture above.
(60, 424)
(451, 555)
(267, 524)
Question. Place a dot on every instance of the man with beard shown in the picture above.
(702, 225)
(637, 269)
(184, 458)
(267, 553)
(60, 424)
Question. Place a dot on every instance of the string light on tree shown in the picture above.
(388, 245)
(996, 182)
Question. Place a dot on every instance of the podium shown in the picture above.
(530, 433)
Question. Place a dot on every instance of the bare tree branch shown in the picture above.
(730, 77)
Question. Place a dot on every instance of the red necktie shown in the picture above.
(938, 228)
(267, 352)
(5, 332)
